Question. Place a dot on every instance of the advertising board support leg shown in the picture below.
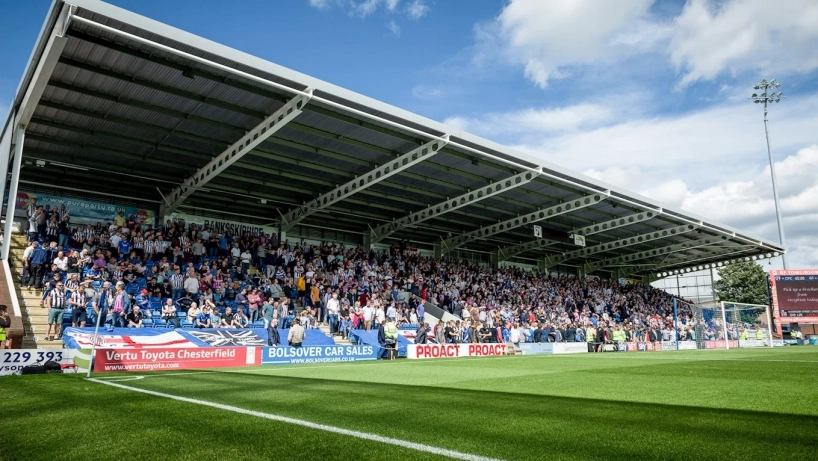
(94, 342)
(724, 326)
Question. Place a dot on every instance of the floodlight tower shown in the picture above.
(769, 95)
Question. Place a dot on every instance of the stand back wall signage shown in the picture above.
(84, 211)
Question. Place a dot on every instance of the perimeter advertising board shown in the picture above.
(12, 361)
(436, 351)
(285, 355)
(553, 348)
(795, 296)
(192, 358)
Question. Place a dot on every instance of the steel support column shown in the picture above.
(291, 218)
(12, 202)
(237, 150)
(540, 215)
(5, 152)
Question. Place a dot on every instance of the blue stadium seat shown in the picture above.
(147, 323)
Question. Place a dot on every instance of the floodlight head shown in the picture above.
(756, 88)
(755, 95)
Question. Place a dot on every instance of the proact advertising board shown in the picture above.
(434, 351)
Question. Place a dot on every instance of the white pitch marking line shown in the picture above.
(309, 424)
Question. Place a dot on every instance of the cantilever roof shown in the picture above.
(151, 105)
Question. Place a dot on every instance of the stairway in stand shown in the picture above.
(35, 317)
(338, 339)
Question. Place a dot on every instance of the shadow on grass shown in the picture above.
(509, 425)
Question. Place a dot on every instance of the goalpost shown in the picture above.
(725, 325)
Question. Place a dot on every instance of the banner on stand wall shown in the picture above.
(219, 226)
(85, 211)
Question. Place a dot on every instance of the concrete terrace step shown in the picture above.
(336, 338)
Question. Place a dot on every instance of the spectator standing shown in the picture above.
(333, 309)
(268, 312)
(191, 287)
(56, 307)
(296, 335)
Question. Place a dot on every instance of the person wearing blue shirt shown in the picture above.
(124, 247)
(143, 300)
(203, 319)
(222, 245)
(37, 261)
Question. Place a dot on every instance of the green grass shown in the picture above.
(673, 405)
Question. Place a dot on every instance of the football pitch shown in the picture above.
(748, 404)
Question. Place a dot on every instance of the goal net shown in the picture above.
(725, 325)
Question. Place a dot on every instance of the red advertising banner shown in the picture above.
(719, 344)
(192, 358)
(435, 351)
(795, 296)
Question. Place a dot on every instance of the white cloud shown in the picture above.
(393, 27)
(672, 192)
(417, 9)
(531, 120)
(705, 145)
(712, 161)
(615, 174)
(548, 38)
(712, 37)
(553, 39)
(426, 92)
(364, 8)
(748, 205)
(320, 4)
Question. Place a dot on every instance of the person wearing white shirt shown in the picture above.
(192, 286)
(333, 308)
(514, 335)
(368, 313)
(61, 261)
(246, 257)
(380, 315)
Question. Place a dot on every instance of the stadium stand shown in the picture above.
(171, 279)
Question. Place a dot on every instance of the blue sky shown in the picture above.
(648, 95)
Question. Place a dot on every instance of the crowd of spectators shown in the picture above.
(180, 275)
